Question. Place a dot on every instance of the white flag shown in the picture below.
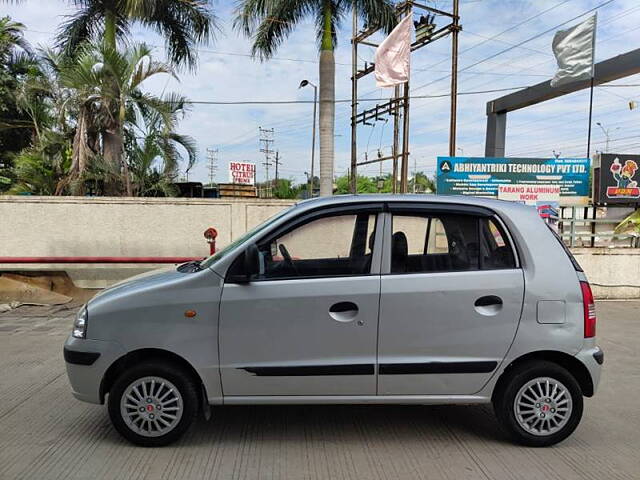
(393, 54)
(574, 49)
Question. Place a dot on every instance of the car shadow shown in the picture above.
(344, 425)
(347, 423)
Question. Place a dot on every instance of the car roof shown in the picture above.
(509, 208)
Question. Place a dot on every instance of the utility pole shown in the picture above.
(276, 163)
(212, 156)
(354, 100)
(396, 139)
(427, 32)
(304, 83)
(266, 140)
(415, 172)
(454, 78)
(404, 175)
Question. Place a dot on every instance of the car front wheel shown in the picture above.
(153, 403)
(540, 404)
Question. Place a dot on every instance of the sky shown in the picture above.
(488, 61)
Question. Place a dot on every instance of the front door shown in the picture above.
(308, 324)
(450, 303)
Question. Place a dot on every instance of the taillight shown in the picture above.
(589, 307)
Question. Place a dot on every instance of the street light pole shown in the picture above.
(606, 135)
(304, 83)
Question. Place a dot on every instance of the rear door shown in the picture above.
(451, 298)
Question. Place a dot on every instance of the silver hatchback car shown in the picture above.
(352, 299)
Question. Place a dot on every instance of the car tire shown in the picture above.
(153, 403)
(539, 404)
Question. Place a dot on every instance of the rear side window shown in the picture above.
(495, 251)
(423, 243)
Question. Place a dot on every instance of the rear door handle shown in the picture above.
(488, 301)
(488, 305)
(343, 311)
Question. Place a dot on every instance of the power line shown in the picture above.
(519, 44)
(343, 100)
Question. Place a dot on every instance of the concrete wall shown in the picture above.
(612, 272)
(123, 227)
(84, 226)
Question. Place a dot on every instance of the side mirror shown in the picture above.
(246, 266)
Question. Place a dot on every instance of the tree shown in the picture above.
(421, 183)
(284, 188)
(84, 110)
(16, 63)
(269, 23)
(107, 85)
(154, 159)
(363, 185)
(183, 24)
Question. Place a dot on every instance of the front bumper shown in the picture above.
(87, 361)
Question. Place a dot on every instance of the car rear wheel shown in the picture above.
(153, 403)
(540, 404)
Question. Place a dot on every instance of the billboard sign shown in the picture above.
(482, 176)
(529, 194)
(243, 173)
(618, 179)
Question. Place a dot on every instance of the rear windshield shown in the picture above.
(575, 263)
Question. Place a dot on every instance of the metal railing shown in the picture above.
(584, 232)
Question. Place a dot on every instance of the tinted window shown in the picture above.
(496, 251)
(329, 246)
(423, 243)
(445, 243)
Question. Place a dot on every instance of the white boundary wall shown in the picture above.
(33, 226)
(173, 227)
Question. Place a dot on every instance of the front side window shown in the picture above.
(424, 243)
(329, 246)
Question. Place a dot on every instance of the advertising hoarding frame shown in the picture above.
(480, 176)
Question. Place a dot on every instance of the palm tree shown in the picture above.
(183, 23)
(154, 157)
(107, 94)
(269, 22)
(16, 63)
(12, 40)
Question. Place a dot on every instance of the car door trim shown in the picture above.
(312, 370)
(436, 368)
(369, 369)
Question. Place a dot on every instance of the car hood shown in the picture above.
(165, 286)
(145, 279)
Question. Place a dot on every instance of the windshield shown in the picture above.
(207, 262)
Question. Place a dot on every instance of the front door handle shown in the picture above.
(488, 305)
(343, 311)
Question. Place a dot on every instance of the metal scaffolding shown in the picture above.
(398, 106)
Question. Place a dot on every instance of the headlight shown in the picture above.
(80, 324)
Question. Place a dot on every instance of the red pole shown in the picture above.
(210, 234)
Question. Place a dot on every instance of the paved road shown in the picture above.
(46, 434)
